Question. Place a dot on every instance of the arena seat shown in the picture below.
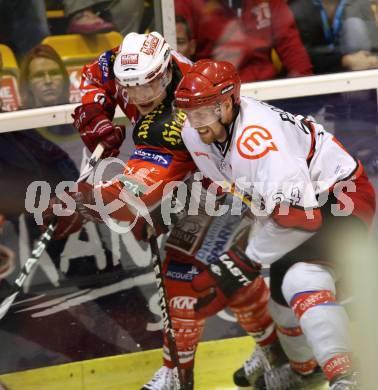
(9, 87)
(55, 14)
(375, 11)
(77, 50)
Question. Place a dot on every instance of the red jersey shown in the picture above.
(247, 36)
(160, 156)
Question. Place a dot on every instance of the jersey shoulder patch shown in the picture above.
(105, 64)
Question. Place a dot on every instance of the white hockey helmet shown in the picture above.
(141, 59)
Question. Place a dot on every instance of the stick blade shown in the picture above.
(6, 304)
(93, 160)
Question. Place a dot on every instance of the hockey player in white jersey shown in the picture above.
(311, 194)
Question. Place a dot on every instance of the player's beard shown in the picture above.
(211, 133)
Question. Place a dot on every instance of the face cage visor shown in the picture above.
(203, 116)
(142, 94)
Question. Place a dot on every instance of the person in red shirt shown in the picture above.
(186, 44)
(244, 33)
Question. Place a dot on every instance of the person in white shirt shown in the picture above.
(308, 191)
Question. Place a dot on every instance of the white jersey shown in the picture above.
(275, 157)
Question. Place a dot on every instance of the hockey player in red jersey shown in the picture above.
(314, 195)
(140, 76)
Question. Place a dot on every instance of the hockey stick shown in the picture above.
(254, 210)
(179, 383)
(228, 187)
(41, 245)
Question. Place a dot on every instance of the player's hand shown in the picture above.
(74, 206)
(225, 277)
(94, 126)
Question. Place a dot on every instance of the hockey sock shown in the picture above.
(292, 339)
(250, 308)
(182, 297)
(187, 333)
(326, 325)
(310, 291)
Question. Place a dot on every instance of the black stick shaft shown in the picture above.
(164, 305)
(41, 244)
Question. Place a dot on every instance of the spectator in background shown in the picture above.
(245, 33)
(23, 24)
(83, 18)
(127, 15)
(44, 79)
(186, 44)
(339, 34)
(26, 155)
(29, 155)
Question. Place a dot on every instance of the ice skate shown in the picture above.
(345, 383)
(261, 360)
(163, 380)
(285, 378)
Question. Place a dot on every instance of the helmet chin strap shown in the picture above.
(229, 126)
(223, 146)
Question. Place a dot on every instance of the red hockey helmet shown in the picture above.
(208, 82)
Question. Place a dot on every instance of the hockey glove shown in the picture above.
(225, 277)
(79, 214)
(95, 127)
